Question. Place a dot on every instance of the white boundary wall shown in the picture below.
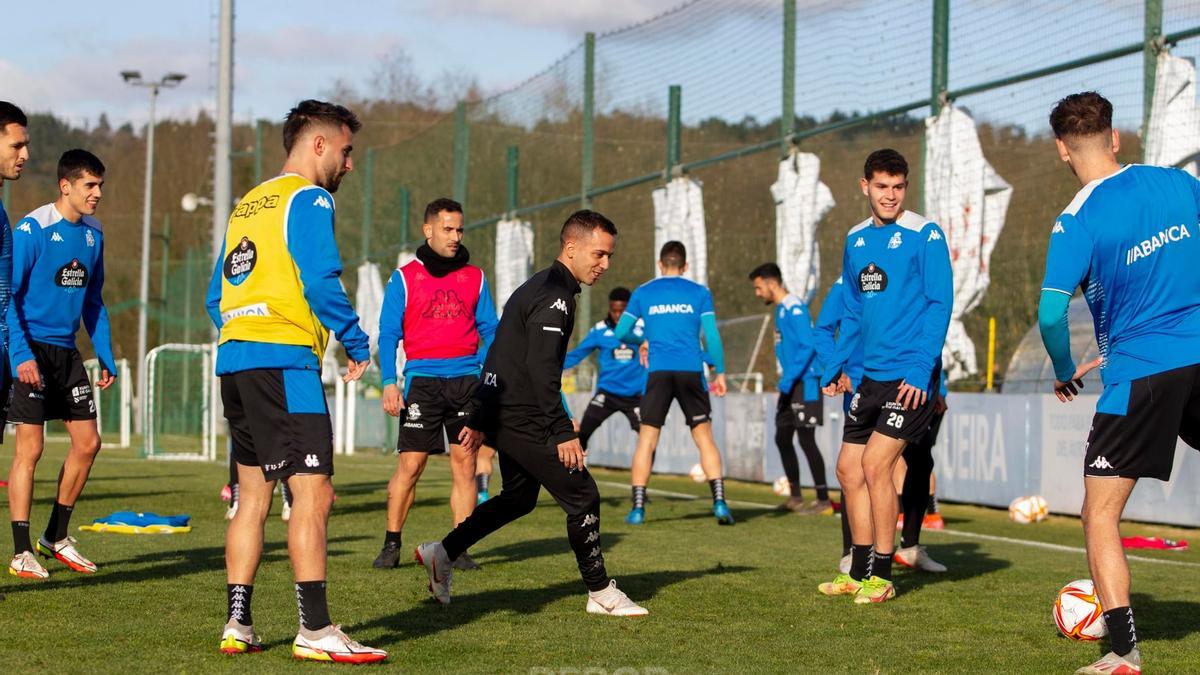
(992, 448)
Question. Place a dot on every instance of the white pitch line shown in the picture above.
(953, 533)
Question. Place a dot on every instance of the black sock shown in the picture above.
(314, 609)
(239, 603)
(881, 565)
(717, 485)
(481, 482)
(933, 505)
(639, 496)
(60, 519)
(1121, 630)
(20, 529)
(391, 538)
(860, 561)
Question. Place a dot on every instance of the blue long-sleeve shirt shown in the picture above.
(621, 371)
(795, 347)
(675, 311)
(825, 335)
(313, 248)
(391, 332)
(6, 256)
(898, 292)
(59, 266)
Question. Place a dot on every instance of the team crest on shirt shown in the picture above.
(895, 241)
(87, 236)
(872, 279)
(72, 276)
(240, 262)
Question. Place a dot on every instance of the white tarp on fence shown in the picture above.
(1173, 132)
(801, 200)
(965, 195)
(679, 216)
(368, 301)
(514, 258)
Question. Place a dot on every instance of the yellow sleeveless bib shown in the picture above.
(262, 298)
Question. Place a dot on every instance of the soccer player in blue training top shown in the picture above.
(274, 296)
(799, 410)
(441, 307)
(14, 153)
(675, 311)
(1129, 239)
(897, 292)
(622, 376)
(58, 268)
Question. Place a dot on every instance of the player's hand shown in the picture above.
(571, 454)
(106, 379)
(393, 400)
(644, 354)
(1067, 391)
(844, 384)
(355, 369)
(910, 397)
(719, 387)
(939, 405)
(470, 439)
(29, 374)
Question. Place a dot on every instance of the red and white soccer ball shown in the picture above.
(697, 473)
(1077, 612)
(1027, 510)
(781, 486)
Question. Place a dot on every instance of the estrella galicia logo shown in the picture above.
(872, 279)
(72, 276)
(622, 353)
(241, 261)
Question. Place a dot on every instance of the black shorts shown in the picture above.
(1137, 423)
(686, 386)
(605, 404)
(792, 410)
(431, 405)
(874, 408)
(279, 421)
(66, 393)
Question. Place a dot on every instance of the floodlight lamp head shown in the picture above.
(173, 79)
(131, 76)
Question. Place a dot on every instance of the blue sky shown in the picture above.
(67, 57)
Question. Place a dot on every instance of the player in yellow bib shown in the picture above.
(275, 296)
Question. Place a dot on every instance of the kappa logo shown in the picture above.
(1101, 463)
(1058, 228)
(588, 520)
(414, 411)
(860, 242)
(87, 236)
(592, 537)
(24, 227)
(445, 305)
(56, 237)
(934, 235)
(322, 202)
(311, 461)
(895, 241)
(560, 305)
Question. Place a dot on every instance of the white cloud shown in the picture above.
(576, 16)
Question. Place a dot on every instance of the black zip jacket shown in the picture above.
(521, 390)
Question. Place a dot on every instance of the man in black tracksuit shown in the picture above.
(519, 410)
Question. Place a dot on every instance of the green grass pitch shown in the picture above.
(723, 600)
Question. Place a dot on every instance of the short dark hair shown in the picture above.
(11, 114)
(311, 112)
(673, 254)
(619, 294)
(74, 163)
(582, 222)
(441, 204)
(885, 160)
(1084, 114)
(767, 271)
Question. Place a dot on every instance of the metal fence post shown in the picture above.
(511, 173)
(587, 166)
(674, 96)
(368, 200)
(461, 141)
(939, 81)
(405, 209)
(787, 120)
(1153, 34)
